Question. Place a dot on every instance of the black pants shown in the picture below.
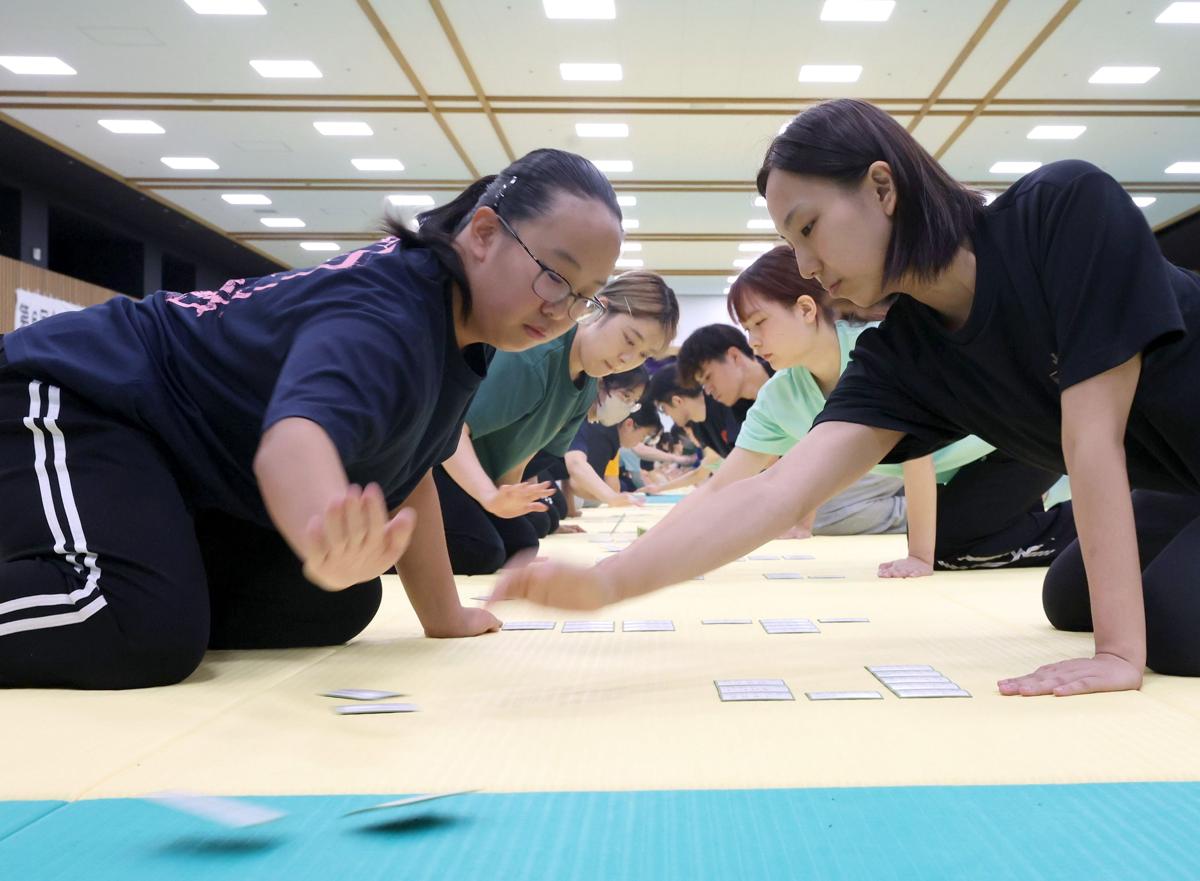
(108, 580)
(480, 543)
(549, 469)
(1168, 534)
(990, 516)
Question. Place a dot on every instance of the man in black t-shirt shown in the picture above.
(713, 424)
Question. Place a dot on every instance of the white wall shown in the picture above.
(696, 310)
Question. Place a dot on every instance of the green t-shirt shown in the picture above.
(791, 399)
(528, 403)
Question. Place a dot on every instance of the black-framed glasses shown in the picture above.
(551, 287)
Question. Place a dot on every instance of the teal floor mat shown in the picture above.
(1059, 833)
(16, 815)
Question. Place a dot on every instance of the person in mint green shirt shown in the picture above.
(535, 400)
(968, 506)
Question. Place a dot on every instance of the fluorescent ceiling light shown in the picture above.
(378, 164)
(627, 201)
(1183, 168)
(830, 73)
(602, 129)
(580, 8)
(630, 263)
(630, 223)
(346, 129)
(411, 200)
(731, 279)
(189, 163)
(609, 166)
(320, 246)
(743, 262)
(755, 247)
(1055, 132)
(286, 69)
(1014, 167)
(132, 126)
(1144, 201)
(1123, 75)
(282, 222)
(595, 73)
(226, 7)
(631, 246)
(36, 65)
(760, 201)
(245, 198)
(760, 223)
(1180, 13)
(857, 10)
(726, 290)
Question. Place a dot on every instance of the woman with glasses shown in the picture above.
(535, 400)
(236, 468)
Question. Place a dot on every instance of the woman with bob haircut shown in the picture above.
(1047, 323)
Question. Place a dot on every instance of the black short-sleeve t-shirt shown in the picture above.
(719, 429)
(600, 443)
(1069, 283)
(363, 345)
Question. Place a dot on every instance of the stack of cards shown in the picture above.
(753, 690)
(527, 625)
(916, 680)
(587, 627)
(646, 626)
(788, 625)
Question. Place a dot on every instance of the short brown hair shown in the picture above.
(776, 278)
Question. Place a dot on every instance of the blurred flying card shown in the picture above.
(408, 802)
(231, 812)
(372, 709)
(361, 694)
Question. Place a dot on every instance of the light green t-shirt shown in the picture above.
(790, 400)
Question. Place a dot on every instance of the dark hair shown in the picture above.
(665, 385)
(616, 382)
(838, 140)
(643, 294)
(646, 416)
(528, 186)
(776, 278)
(708, 343)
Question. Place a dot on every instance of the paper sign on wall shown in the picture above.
(32, 307)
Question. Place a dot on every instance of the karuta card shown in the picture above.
(762, 556)
(844, 620)
(587, 627)
(361, 694)
(528, 625)
(931, 692)
(234, 813)
(798, 557)
(783, 576)
(408, 802)
(372, 709)
(647, 626)
(766, 683)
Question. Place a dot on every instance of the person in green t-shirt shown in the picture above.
(535, 400)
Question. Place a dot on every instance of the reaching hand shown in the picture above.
(624, 499)
(470, 622)
(518, 499)
(354, 541)
(1104, 672)
(556, 584)
(909, 567)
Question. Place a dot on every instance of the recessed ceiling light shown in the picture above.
(1014, 167)
(760, 201)
(286, 69)
(245, 198)
(320, 246)
(632, 247)
(1180, 13)
(857, 10)
(760, 223)
(132, 126)
(226, 7)
(830, 73)
(726, 290)
(627, 201)
(595, 73)
(343, 129)
(610, 166)
(189, 163)
(1144, 201)
(731, 278)
(1183, 168)
(755, 247)
(1123, 75)
(743, 262)
(580, 8)
(1055, 132)
(630, 223)
(36, 65)
(378, 164)
(630, 263)
(602, 129)
(411, 200)
(282, 222)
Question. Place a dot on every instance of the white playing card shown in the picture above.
(232, 812)
(766, 683)
(408, 802)
(885, 668)
(931, 692)
(726, 621)
(646, 626)
(844, 620)
(527, 625)
(587, 627)
(798, 557)
(789, 625)
(826, 577)
(371, 709)
(762, 556)
(362, 694)
(783, 576)
(734, 689)
(844, 695)
(757, 696)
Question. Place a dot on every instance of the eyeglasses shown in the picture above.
(551, 287)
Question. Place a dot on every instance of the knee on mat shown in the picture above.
(357, 607)
(476, 558)
(1066, 606)
(1171, 646)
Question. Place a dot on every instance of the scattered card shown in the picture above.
(844, 695)
(408, 802)
(647, 626)
(587, 627)
(798, 557)
(931, 692)
(371, 709)
(726, 621)
(757, 696)
(783, 576)
(762, 556)
(788, 625)
(844, 620)
(231, 812)
(753, 690)
(361, 694)
(826, 577)
(528, 625)
(897, 668)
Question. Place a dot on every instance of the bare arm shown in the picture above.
(508, 500)
(740, 465)
(587, 483)
(651, 454)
